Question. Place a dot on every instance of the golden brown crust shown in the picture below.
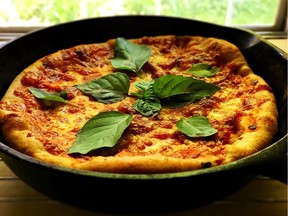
(243, 110)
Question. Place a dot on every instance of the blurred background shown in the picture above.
(269, 17)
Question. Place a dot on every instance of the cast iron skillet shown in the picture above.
(125, 192)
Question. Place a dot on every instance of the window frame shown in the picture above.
(278, 30)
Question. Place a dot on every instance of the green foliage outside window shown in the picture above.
(47, 12)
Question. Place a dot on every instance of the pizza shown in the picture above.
(155, 104)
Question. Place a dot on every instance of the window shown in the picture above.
(264, 16)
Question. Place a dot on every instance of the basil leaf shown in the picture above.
(177, 90)
(143, 85)
(103, 130)
(49, 97)
(171, 85)
(146, 90)
(148, 104)
(196, 126)
(108, 89)
(147, 107)
(203, 70)
(130, 56)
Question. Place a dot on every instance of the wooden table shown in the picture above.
(262, 196)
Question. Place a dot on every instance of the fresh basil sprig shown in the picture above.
(49, 98)
(102, 130)
(196, 126)
(130, 56)
(177, 90)
(107, 89)
(147, 104)
(170, 91)
(203, 70)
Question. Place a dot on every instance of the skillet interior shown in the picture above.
(204, 185)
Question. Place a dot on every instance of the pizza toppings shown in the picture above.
(196, 126)
(107, 89)
(49, 97)
(103, 130)
(169, 90)
(130, 56)
(203, 70)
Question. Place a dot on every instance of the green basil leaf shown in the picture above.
(108, 89)
(103, 130)
(130, 56)
(196, 126)
(203, 70)
(49, 97)
(143, 85)
(147, 104)
(178, 90)
(146, 90)
(171, 85)
(147, 107)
